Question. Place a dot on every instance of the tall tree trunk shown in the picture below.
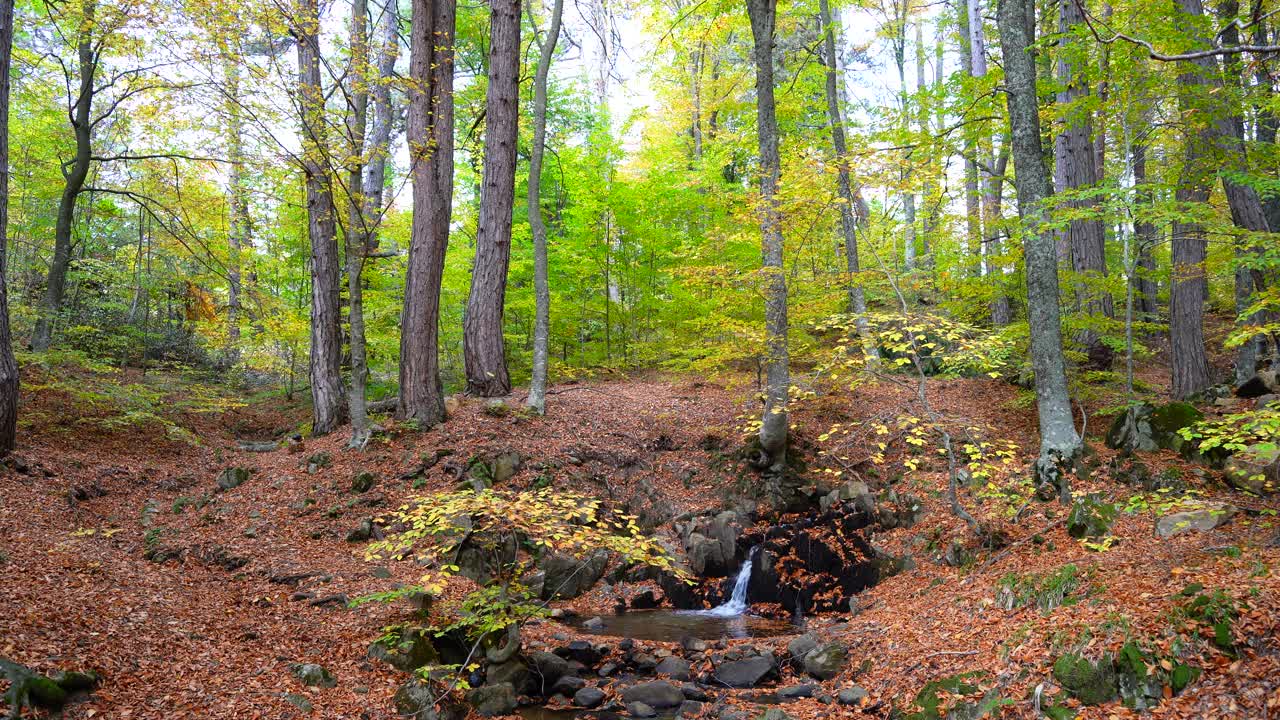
(1076, 171)
(929, 186)
(542, 293)
(483, 348)
(385, 114)
(237, 205)
(358, 221)
(773, 427)
(972, 199)
(1059, 443)
(326, 323)
(430, 134)
(850, 204)
(8, 366)
(1145, 291)
(74, 177)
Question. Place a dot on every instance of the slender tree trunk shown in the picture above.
(1145, 237)
(991, 172)
(773, 428)
(238, 207)
(359, 222)
(483, 347)
(326, 323)
(542, 293)
(1059, 443)
(385, 114)
(851, 204)
(74, 176)
(972, 198)
(929, 187)
(1076, 171)
(8, 366)
(430, 135)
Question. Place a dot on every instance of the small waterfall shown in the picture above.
(737, 603)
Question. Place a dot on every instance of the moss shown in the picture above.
(1092, 683)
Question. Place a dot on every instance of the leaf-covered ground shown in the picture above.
(251, 579)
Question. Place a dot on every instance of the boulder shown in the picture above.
(1256, 470)
(232, 477)
(313, 675)
(798, 691)
(588, 697)
(645, 600)
(1207, 518)
(582, 651)
(657, 694)
(566, 577)
(641, 710)
(745, 673)
(711, 544)
(405, 651)
(826, 661)
(568, 685)
(415, 699)
(1131, 430)
(1168, 419)
(774, 714)
(801, 645)
(548, 669)
(493, 700)
(851, 695)
(1090, 517)
(674, 667)
(1091, 683)
(512, 672)
(855, 492)
(363, 481)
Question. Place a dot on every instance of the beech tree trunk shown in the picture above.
(852, 207)
(385, 114)
(483, 347)
(1059, 443)
(238, 207)
(74, 175)
(326, 323)
(430, 134)
(542, 293)
(359, 223)
(1146, 236)
(1075, 170)
(8, 366)
(773, 427)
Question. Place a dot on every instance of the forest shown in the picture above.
(704, 359)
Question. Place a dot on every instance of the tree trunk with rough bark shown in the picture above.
(359, 222)
(538, 229)
(1146, 236)
(385, 114)
(326, 322)
(8, 366)
(430, 134)
(1060, 446)
(483, 347)
(773, 427)
(238, 208)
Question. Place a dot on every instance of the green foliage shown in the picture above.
(1256, 431)
(1043, 590)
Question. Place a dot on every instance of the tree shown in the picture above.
(538, 228)
(774, 423)
(326, 327)
(483, 346)
(430, 134)
(8, 366)
(358, 220)
(1059, 443)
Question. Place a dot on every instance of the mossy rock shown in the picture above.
(363, 481)
(1168, 419)
(1131, 431)
(1256, 470)
(232, 477)
(930, 699)
(406, 650)
(1090, 517)
(1092, 683)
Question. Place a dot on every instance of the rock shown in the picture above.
(855, 492)
(673, 667)
(801, 645)
(851, 695)
(406, 651)
(693, 644)
(689, 709)
(607, 669)
(1209, 517)
(706, 557)
(588, 697)
(363, 532)
(641, 710)
(745, 673)
(645, 662)
(1168, 419)
(567, 578)
(513, 672)
(957, 555)
(313, 675)
(1254, 470)
(826, 661)
(646, 600)
(1131, 430)
(493, 700)
(1091, 683)
(693, 692)
(774, 714)
(232, 477)
(1266, 400)
(548, 669)
(582, 651)
(299, 701)
(363, 481)
(74, 681)
(657, 694)
(415, 699)
(798, 691)
(1090, 517)
(505, 465)
(568, 685)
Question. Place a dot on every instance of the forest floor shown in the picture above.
(118, 553)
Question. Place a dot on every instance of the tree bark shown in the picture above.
(430, 134)
(852, 206)
(8, 366)
(326, 324)
(774, 423)
(1146, 236)
(385, 114)
(359, 223)
(74, 175)
(542, 293)
(237, 205)
(483, 346)
(1059, 443)
(1075, 170)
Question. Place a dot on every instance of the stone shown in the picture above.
(74, 681)
(566, 577)
(801, 645)
(1131, 430)
(363, 481)
(641, 710)
(645, 662)
(798, 691)
(658, 694)
(854, 492)
(299, 701)
(826, 661)
(232, 477)
(1209, 517)
(548, 669)
(693, 692)
(774, 714)
(504, 466)
(745, 673)
(607, 669)
(406, 651)
(1090, 517)
(512, 672)
(646, 600)
(416, 700)
(362, 532)
(1254, 470)
(689, 709)
(851, 695)
(582, 651)
(568, 685)
(493, 700)
(674, 667)
(313, 675)
(594, 623)
(588, 697)
(1168, 419)
(1091, 683)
